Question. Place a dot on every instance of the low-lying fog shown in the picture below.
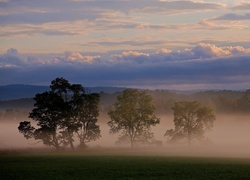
(229, 137)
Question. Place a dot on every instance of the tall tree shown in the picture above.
(58, 116)
(88, 114)
(191, 120)
(133, 116)
(72, 97)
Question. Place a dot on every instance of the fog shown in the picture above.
(230, 137)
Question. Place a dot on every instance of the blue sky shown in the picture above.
(192, 44)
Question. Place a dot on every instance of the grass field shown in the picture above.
(107, 166)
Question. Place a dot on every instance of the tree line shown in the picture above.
(68, 111)
(221, 101)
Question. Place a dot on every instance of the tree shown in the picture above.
(191, 120)
(57, 114)
(88, 115)
(133, 116)
(246, 96)
(48, 113)
(67, 93)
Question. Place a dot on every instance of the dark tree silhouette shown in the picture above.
(191, 120)
(88, 115)
(26, 129)
(133, 116)
(72, 97)
(48, 113)
(58, 115)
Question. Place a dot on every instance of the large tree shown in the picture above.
(133, 116)
(48, 113)
(191, 120)
(71, 97)
(88, 115)
(58, 114)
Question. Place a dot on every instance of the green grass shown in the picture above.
(80, 166)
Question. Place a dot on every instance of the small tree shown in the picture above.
(133, 116)
(191, 120)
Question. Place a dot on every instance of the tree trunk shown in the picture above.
(82, 145)
(71, 144)
(132, 144)
(189, 139)
(131, 141)
(57, 147)
(70, 140)
(55, 142)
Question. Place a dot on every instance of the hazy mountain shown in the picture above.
(18, 91)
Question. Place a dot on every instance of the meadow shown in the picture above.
(119, 165)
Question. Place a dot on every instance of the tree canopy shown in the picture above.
(247, 96)
(191, 120)
(60, 113)
(132, 116)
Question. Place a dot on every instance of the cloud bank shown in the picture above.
(109, 25)
(203, 66)
(47, 17)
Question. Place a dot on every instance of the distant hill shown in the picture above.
(18, 91)
(20, 97)
(108, 90)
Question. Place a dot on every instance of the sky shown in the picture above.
(153, 44)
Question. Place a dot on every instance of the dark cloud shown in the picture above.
(204, 64)
(11, 59)
(12, 52)
(218, 71)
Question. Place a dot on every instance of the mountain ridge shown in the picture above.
(19, 91)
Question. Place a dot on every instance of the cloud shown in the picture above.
(178, 7)
(204, 65)
(126, 42)
(232, 17)
(138, 57)
(150, 5)
(11, 59)
(201, 51)
(12, 52)
(224, 43)
(76, 18)
(78, 57)
(49, 29)
(226, 22)
(210, 50)
(35, 12)
(242, 6)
